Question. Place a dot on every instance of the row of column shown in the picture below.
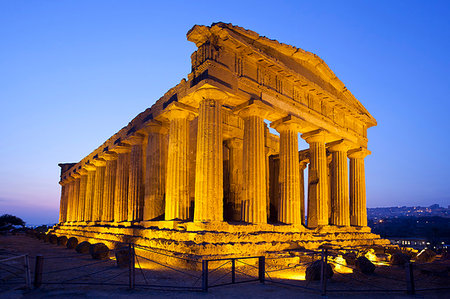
(112, 188)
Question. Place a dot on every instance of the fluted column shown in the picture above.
(155, 171)
(339, 184)
(289, 208)
(70, 189)
(236, 185)
(254, 205)
(209, 160)
(177, 178)
(89, 199)
(99, 182)
(136, 179)
(76, 196)
(109, 186)
(82, 194)
(63, 202)
(318, 182)
(358, 211)
(121, 188)
(302, 167)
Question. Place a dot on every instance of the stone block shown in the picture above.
(62, 240)
(364, 265)
(426, 256)
(72, 243)
(399, 259)
(123, 257)
(46, 238)
(53, 239)
(313, 271)
(99, 251)
(350, 258)
(83, 247)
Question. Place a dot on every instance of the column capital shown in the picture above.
(99, 162)
(234, 143)
(360, 153)
(135, 139)
(76, 175)
(303, 164)
(82, 171)
(315, 136)
(176, 110)
(254, 108)
(290, 122)
(155, 126)
(121, 148)
(209, 94)
(108, 156)
(339, 146)
(89, 167)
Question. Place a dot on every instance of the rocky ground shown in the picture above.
(65, 265)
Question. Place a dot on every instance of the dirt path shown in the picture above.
(61, 264)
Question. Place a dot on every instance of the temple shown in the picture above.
(200, 173)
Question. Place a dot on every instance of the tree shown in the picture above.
(7, 220)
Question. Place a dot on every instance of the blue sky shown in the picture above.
(72, 73)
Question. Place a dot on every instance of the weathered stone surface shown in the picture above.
(399, 259)
(364, 265)
(313, 271)
(350, 258)
(83, 247)
(72, 243)
(123, 257)
(46, 237)
(99, 251)
(62, 240)
(53, 239)
(426, 256)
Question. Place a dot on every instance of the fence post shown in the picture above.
(131, 266)
(205, 275)
(27, 272)
(410, 287)
(262, 268)
(323, 270)
(233, 270)
(38, 268)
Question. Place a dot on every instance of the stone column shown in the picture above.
(236, 166)
(177, 178)
(135, 179)
(155, 171)
(76, 196)
(318, 182)
(339, 184)
(89, 199)
(99, 182)
(254, 205)
(69, 202)
(109, 186)
(302, 167)
(209, 160)
(358, 211)
(82, 194)
(289, 208)
(63, 202)
(121, 188)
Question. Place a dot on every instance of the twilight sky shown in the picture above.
(72, 73)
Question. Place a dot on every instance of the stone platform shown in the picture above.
(168, 241)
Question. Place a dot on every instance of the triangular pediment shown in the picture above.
(295, 60)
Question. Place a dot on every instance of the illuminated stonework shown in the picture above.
(202, 158)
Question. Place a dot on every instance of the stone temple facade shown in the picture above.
(199, 173)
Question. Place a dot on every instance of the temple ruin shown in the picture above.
(200, 173)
